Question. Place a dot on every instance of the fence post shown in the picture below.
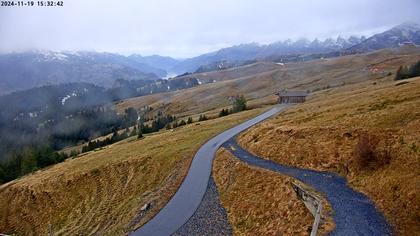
(312, 202)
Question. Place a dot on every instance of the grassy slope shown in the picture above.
(260, 85)
(260, 202)
(119, 180)
(103, 190)
(323, 133)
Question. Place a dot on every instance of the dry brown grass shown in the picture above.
(260, 202)
(101, 192)
(260, 81)
(324, 132)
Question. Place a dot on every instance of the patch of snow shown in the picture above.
(33, 114)
(64, 99)
(53, 56)
(169, 75)
(74, 53)
(60, 56)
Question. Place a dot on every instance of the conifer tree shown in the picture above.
(190, 120)
(182, 123)
(139, 135)
(239, 104)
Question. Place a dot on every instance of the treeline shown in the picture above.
(83, 125)
(182, 122)
(133, 88)
(115, 137)
(33, 158)
(61, 130)
(158, 123)
(405, 72)
(27, 161)
(41, 142)
(154, 125)
(66, 114)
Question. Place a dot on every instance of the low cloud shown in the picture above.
(187, 27)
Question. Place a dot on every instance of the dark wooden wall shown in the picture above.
(291, 99)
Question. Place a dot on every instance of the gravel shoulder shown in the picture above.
(210, 217)
(353, 212)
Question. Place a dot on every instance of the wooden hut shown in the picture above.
(292, 96)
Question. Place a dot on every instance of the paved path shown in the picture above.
(353, 212)
(190, 194)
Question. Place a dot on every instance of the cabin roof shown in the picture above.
(292, 93)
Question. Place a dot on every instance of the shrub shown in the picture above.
(368, 153)
(223, 112)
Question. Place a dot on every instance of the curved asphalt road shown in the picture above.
(189, 195)
(353, 212)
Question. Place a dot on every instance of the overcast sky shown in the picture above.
(185, 28)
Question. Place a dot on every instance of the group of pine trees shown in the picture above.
(176, 124)
(115, 137)
(405, 72)
(239, 104)
(34, 158)
(158, 123)
(202, 118)
(225, 112)
(28, 160)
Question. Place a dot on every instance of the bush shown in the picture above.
(369, 155)
(223, 112)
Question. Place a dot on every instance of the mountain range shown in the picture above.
(406, 33)
(19, 71)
